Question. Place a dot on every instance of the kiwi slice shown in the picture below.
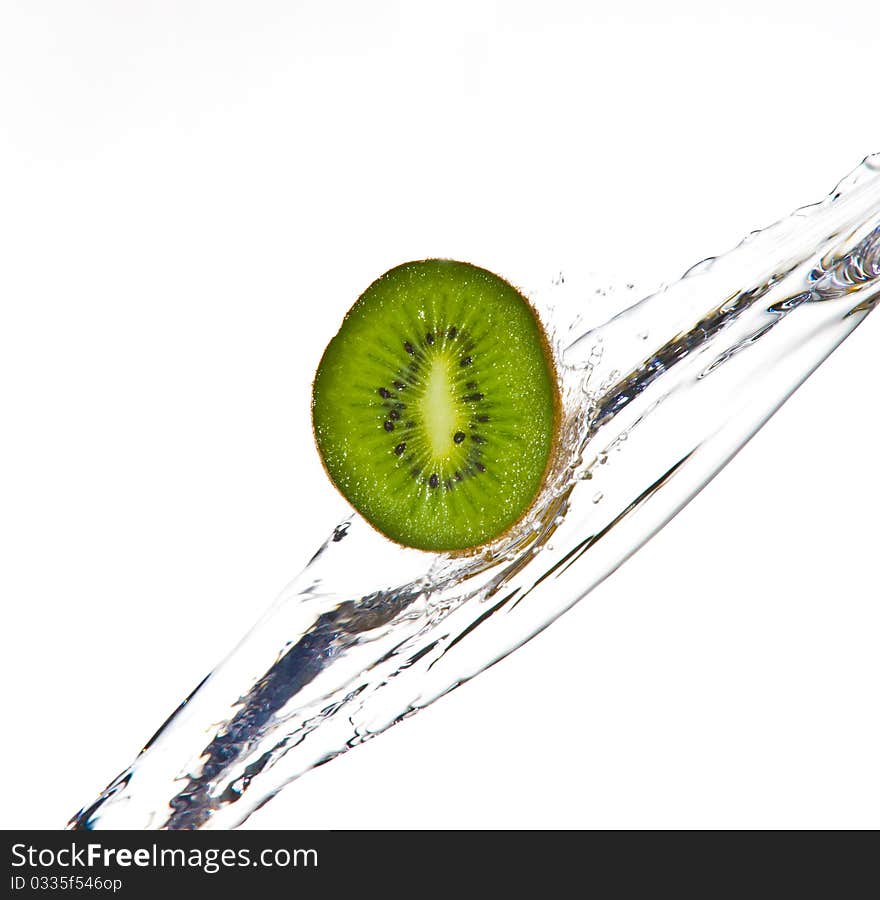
(435, 407)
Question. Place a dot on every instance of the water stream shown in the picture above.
(657, 398)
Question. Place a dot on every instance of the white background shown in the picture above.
(191, 196)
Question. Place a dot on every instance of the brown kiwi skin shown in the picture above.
(555, 450)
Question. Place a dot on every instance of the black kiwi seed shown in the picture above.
(400, 448)
(458, 437)
(434, 480)
(467, 361)
(388, 426)
(429, 337)
(385, 393)
(409, 348)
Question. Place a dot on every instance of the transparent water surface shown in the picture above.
(657, 397)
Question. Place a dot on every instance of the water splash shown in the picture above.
(657, 398)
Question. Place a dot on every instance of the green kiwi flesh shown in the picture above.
(435, 407)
